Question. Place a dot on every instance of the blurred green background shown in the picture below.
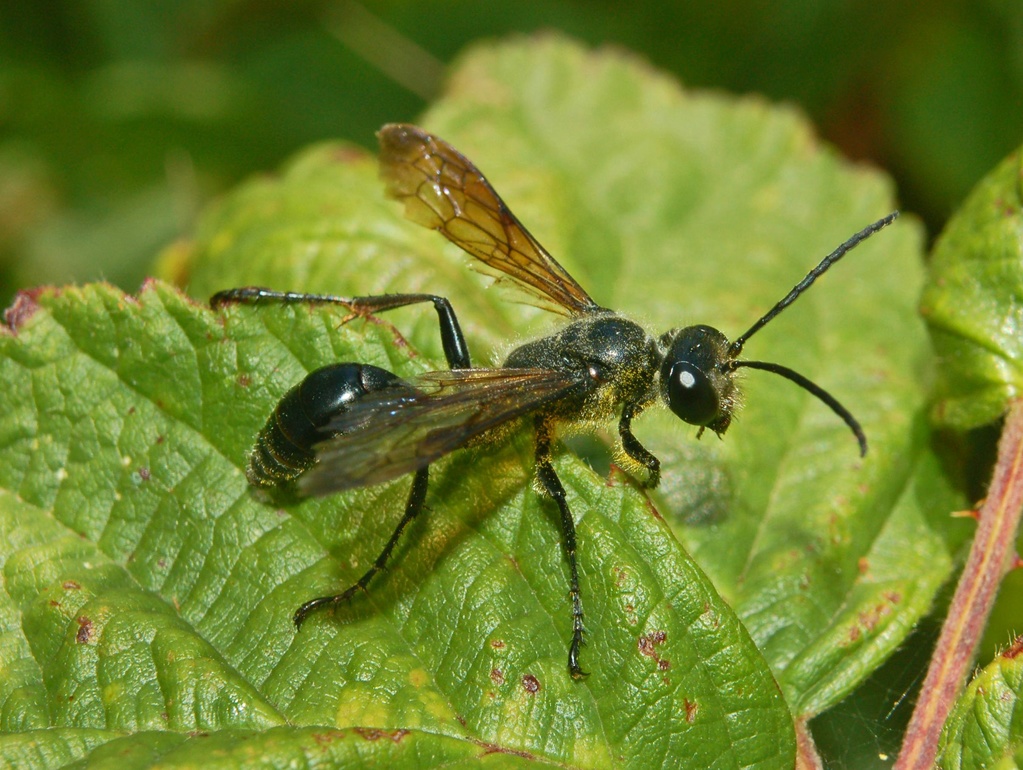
(119, 120)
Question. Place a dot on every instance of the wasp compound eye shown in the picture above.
(691, 394)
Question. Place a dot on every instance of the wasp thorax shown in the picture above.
(695, 383)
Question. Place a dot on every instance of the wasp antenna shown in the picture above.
(736, 347)
(812, 387)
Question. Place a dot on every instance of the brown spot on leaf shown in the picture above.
(710, 617)
(497, 644)
(530, 683)
(493, 748)
(648, 642)
(144, 473)
(84, 630)
(630, 614)
(373, 734)
(647, 645)
(497, 676)
(870, 618)
(24, 307)
(691, 708)
(72, 585)
(244, 380)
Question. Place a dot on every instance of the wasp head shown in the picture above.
(696, 380)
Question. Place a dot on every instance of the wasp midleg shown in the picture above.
(284, 448)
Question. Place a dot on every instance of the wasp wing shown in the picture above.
(443, 190)
(397, 431)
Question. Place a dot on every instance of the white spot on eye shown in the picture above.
(686, 379)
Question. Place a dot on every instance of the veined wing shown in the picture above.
(443, 190)
(388, 434)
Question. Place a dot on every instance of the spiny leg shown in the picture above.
(416, 498)
(453, 340)
(635, 450)
(548, 478)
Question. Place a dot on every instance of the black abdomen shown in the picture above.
(284, 448)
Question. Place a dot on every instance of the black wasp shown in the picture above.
(351, 425)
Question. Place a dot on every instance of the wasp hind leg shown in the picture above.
(551, 484)
(453, 340)
(414, 506)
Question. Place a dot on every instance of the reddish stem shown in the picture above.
(991, 556)
(807, 757)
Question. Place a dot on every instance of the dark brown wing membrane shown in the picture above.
(387, 435)
(443, 190)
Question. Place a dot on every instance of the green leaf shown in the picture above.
(985, 727)
(147, 590)
(679, 208)
(128, 422)
(972, 301)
